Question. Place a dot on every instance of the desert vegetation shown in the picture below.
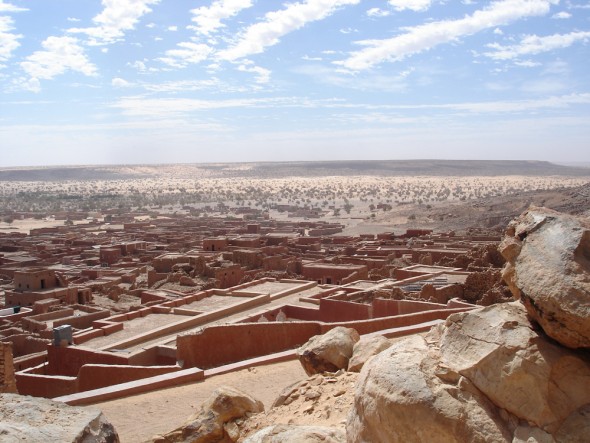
(326, 193)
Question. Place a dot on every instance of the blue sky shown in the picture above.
(162, 81)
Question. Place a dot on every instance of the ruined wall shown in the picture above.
(68, 360)
(220, 345)
(251, 259)
(229, 276)
(34, 280)
(340, 310)
(7, 380)
(82, 321)
(386, 308)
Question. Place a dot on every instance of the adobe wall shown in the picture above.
(340, 310)
(34, 280)
(36, 323)
(402, 274)
(45, 386)
(82, 321)
(385, 308)
(302, 313)
(378, 324)
(100, 376)
(220, 345)
(7, 378)
(24, 344)
(448, 292)
(68, 360)
(154, 356)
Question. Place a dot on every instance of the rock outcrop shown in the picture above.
(366, 348)
(33, 419)
(485, 376)
(297, 434)
(548, 268)
(215, 421)
(328, 352)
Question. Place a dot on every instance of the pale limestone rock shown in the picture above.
(41, 420)
(548, 268)
(366, 348)
(297, 434)
(328, 352)
(484, 376)
(518, 369)
(526, 434)
(213, 422)
(400, 398)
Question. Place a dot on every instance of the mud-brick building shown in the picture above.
(334, 274)
(34, 284)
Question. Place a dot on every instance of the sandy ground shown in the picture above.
(140, 417)
(25, 225)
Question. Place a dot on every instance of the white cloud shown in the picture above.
(187, 53)
(73, 19)
(120, 83)
(8, 40)
(545, 86)
(424, 37)
(498, 31)
(533, 44)
(276, 24)
(182, 85)
(392, 82)
(156, 107)
(414, 5)
(172, 28)
(138, 64)
(208, 18)
(9, 7)
(61, 54)
(561, 15)
(117, 17)
(26, 84)
(519, 105)
(527, 63)
(376, 12)
(312, 59)
(262, 74)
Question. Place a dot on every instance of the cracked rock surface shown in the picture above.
(33, 419)
(548, 268)
(484, 376)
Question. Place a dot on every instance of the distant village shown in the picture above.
(120, 302)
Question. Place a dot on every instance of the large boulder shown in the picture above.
(403, 395)
(214, 422)
(515, 366)
(485, 376)
(328, 352)
(297, 434)
(548, 268)
(34, 419)
(366, 348)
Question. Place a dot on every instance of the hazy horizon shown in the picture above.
(157, 81)
(100, 165)
(336, 164)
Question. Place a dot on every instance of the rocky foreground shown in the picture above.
(511, 372)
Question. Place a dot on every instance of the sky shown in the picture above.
(183, 81)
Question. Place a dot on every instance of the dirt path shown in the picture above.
(140, 417)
